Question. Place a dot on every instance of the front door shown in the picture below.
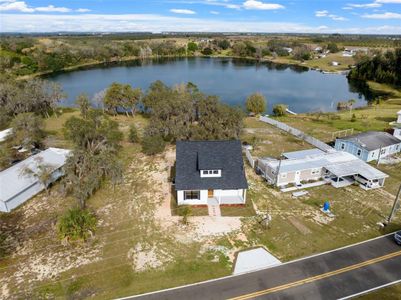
(210, 193)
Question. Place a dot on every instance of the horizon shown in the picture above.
(375, 17)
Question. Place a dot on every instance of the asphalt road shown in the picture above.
(333, 275)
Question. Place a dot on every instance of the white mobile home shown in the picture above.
(16, 187)
(338, 168)
(369, 145)
(397, 126)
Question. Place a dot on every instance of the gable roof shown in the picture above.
(372, 140)
(193, 156)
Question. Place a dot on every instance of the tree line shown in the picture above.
(383, 68)
(28, 55)
(181, 112)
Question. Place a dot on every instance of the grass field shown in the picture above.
(324, 64)
(137, 249)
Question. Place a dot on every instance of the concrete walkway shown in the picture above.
(213, 207)
(254, 259)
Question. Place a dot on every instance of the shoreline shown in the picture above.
(133, 58)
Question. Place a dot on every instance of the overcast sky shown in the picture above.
(325, 16)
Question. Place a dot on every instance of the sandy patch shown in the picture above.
(212, 226)
(144, 259)
(49, 265)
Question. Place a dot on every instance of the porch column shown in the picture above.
(244, 195)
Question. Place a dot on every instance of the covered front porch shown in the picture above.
(345, 174)
(226, 197)
(211, 196)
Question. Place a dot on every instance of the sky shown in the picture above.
(292, 16)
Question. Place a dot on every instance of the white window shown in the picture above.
(210, 173)
(373, 154)
(383, 151)
(397, 147)
(283, 175)
(315, 171)
(359, 152)
(191, 195)
(342, 146)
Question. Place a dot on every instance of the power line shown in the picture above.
(55, 246)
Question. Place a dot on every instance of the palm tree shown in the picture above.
(351, 102)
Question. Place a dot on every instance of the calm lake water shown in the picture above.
(230, 79)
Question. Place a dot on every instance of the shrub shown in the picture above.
(184, 211)
(333, 48)
(76, 224)
(279, 110)
(256, 103)
(207, 51)
(192, 46)
(353, 118)
(153, 144)
(133, 134)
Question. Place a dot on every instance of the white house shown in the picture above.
(16, 186)
(369, 145)
(397, 126)
(307, 166)
(210, 172)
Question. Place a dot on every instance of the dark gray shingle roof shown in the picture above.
(372, 140)
(192, 156)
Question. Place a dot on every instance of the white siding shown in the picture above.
(397, 133)
(217, 194)
(201, 201)
(23, 196)
(386, 151)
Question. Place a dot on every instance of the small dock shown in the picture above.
(290, 112)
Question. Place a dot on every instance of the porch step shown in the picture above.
(214, 210)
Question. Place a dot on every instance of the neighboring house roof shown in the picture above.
(13, 181)
(356, 166)
(339, 163)
(372, 140)
(193, 156)
(303, 153)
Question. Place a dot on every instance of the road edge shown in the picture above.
(285, 263)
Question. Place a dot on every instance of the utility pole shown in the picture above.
(278, 171)
(395, 205)
(378, 158)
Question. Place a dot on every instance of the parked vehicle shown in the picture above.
(397, 237)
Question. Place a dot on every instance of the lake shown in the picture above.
(232, 80)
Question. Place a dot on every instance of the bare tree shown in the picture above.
(41, 171)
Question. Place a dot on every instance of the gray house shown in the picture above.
(210, 171)
(313, 166)
(17, 187)
(369, 145)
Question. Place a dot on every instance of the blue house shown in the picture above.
(369, 145)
